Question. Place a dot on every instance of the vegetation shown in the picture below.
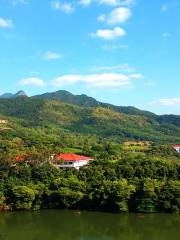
(52, 118)
(118, 181)
(124, 176)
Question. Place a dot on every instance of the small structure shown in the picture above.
(176, 147)
(137, 143)
(3, 121)
(70, 160)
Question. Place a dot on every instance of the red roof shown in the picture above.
(72, 157)
(20, 159)
(176, 146)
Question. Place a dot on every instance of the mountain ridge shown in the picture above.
(84, 100)
(102, 120)
(20, 93)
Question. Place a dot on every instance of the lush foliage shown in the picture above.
(136, 184)
(123, 177)
(50, 118)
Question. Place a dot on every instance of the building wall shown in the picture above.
(177, 149)
(3, 121)
(73, 164)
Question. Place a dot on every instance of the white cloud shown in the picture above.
(96, 80)
(85, 2)
(33, 81)
(69, 6)
(109, 34)
(167, 102)
(136, 76)
(5, 23)
(118, 15)
(122, 67)
(66, 80)
(52, 55)
(169, 5)
(165, 7)
(117, 2)
(64, 7)
(112, 47)
(165, 35)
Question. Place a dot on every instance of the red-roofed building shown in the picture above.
(70, 160)
(20, 159)
(176, 147)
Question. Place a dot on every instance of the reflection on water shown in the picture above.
(74, 225)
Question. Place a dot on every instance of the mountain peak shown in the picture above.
(20, 93)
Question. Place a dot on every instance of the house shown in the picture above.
(176, 147)
(3, 121)
(70, 160)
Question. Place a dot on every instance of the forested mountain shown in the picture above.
(122, 177)
(11, 95)
(86, 101)
(63, 111)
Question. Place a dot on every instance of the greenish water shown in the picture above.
(74, 225)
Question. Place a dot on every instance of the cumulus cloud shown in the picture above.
(118, 15)
(109, 34)
(97, 80)
(124, 67)
(85, 2)
(167, 102)
(116, 2)
(33, 81)
(136, 76)
(64, 7)
(113, 47)
(52, 55)
(5, 23)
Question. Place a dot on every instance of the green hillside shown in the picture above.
(53, 116)
(123, 177)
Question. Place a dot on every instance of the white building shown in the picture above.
(177, 148)
(3, 121)
(70, 160)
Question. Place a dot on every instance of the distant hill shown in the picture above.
(65, 96)
(62, 111)
(11, 95)
(86, 101)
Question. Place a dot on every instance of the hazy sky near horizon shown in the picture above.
(125, 52)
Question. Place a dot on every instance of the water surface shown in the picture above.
(75, 225)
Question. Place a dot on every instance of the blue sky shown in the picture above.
(126, 52)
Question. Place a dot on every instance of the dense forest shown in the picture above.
(124, 176)
(134, 184)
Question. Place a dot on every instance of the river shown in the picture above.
(76, 225)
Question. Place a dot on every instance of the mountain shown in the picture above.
(6, 95)
(65, 96)
(10, 95)
(52, 114)
(20, 94)
(86, 101)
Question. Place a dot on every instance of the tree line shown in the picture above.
(132, 184)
